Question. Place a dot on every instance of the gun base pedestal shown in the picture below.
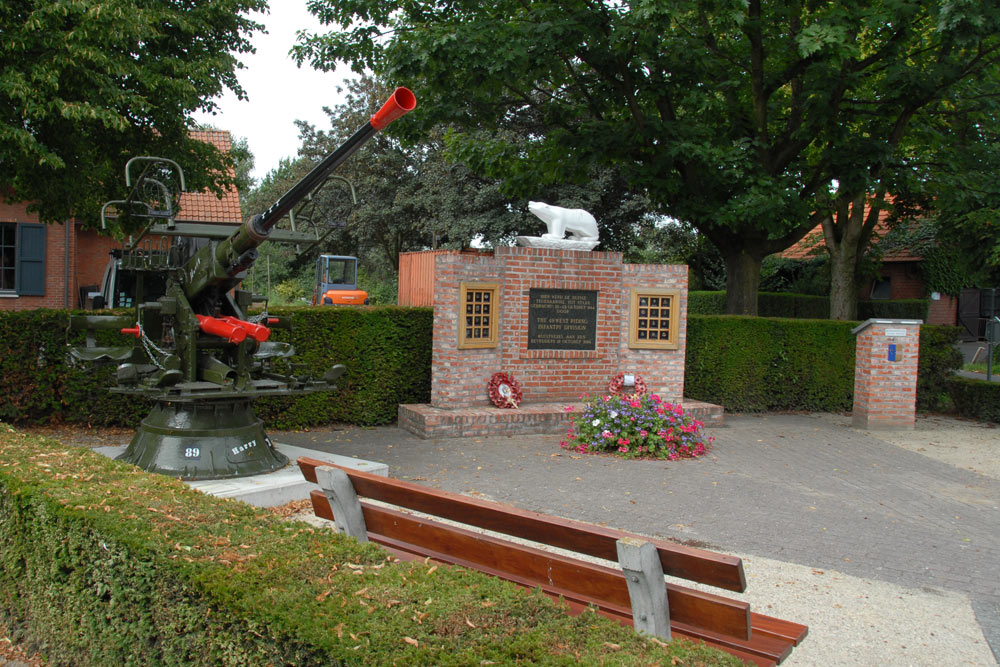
(203, 439)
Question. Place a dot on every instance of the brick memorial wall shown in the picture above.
(562, 322)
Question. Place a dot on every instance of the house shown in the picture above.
(45, 266)
(899, 274)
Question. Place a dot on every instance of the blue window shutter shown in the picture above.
(30, 259)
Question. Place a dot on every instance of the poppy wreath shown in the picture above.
(504, 390)
(617, 386)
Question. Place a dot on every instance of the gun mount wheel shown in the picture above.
(204, 439)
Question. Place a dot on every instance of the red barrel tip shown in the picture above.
(402, 101)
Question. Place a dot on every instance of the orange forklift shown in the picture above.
(337, 282)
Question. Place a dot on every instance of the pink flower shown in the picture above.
(654, 398)
(635, 404)
(623, 449)
(644, 433)
(622, 441)
(568, 408)
(659, 411)
(606, 434)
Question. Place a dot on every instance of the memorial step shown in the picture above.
(427, 421)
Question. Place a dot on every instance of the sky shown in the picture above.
(279, 92)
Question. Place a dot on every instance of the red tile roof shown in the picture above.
(207, 206)
(813, 244)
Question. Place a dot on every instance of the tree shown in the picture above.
(86, 85)
(739, 118)
(412, 196)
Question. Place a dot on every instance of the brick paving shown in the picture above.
(796, 488)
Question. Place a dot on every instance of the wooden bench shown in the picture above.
(634, 595)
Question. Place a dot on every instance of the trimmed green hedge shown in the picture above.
(900, 309)
(102, 564)
(755, 364)
(939, 359)
(747, 364)
(807, 306)
(387, 352)
(976, 399)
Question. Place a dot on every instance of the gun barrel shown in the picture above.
(401, 102)
(221, 266)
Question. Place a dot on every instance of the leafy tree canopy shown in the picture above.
(411, 196)
(87, 84)
(747, 119)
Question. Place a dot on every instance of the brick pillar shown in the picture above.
(885, 374)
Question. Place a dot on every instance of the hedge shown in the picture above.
(102, 564)
(755, 364)
(386, 350)
(747, 364)
(939, 358)
(976, 399)
(807, 306)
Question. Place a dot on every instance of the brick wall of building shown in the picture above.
(885, 392)
(460, 377)
(60, 261)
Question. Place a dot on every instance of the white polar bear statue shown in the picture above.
(580, 225)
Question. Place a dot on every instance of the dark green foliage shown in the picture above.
(807, 306)
(39, 385)
(85, 86)
(706, 303)
(102, 564)
(900, 309)
(753, 364)
(387, 353)
(939, 358)
(975, 399)
(798, 306)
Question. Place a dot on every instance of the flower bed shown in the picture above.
(638, 426)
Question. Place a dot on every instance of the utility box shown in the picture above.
(885, 374)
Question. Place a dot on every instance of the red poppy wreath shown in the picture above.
(617, 386)
(504, 390)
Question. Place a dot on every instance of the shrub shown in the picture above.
(807, 306)
(637, 426)
(975, 399)
(900, 309)
(387, 352)
(102, 564)
(939, 358)
(755, 364)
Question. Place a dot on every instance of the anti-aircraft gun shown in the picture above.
(195, 352)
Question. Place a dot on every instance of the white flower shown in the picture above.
(596, 422)
(613, 415)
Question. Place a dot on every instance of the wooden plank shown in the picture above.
(534, 567)
(677, 560)
(793, 632)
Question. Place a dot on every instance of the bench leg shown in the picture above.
(646, 588)
(343, 501)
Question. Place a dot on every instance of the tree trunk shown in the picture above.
(844, 283)
(742, 280)
(847, 232)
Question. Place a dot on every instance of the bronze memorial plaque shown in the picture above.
(562, 319)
